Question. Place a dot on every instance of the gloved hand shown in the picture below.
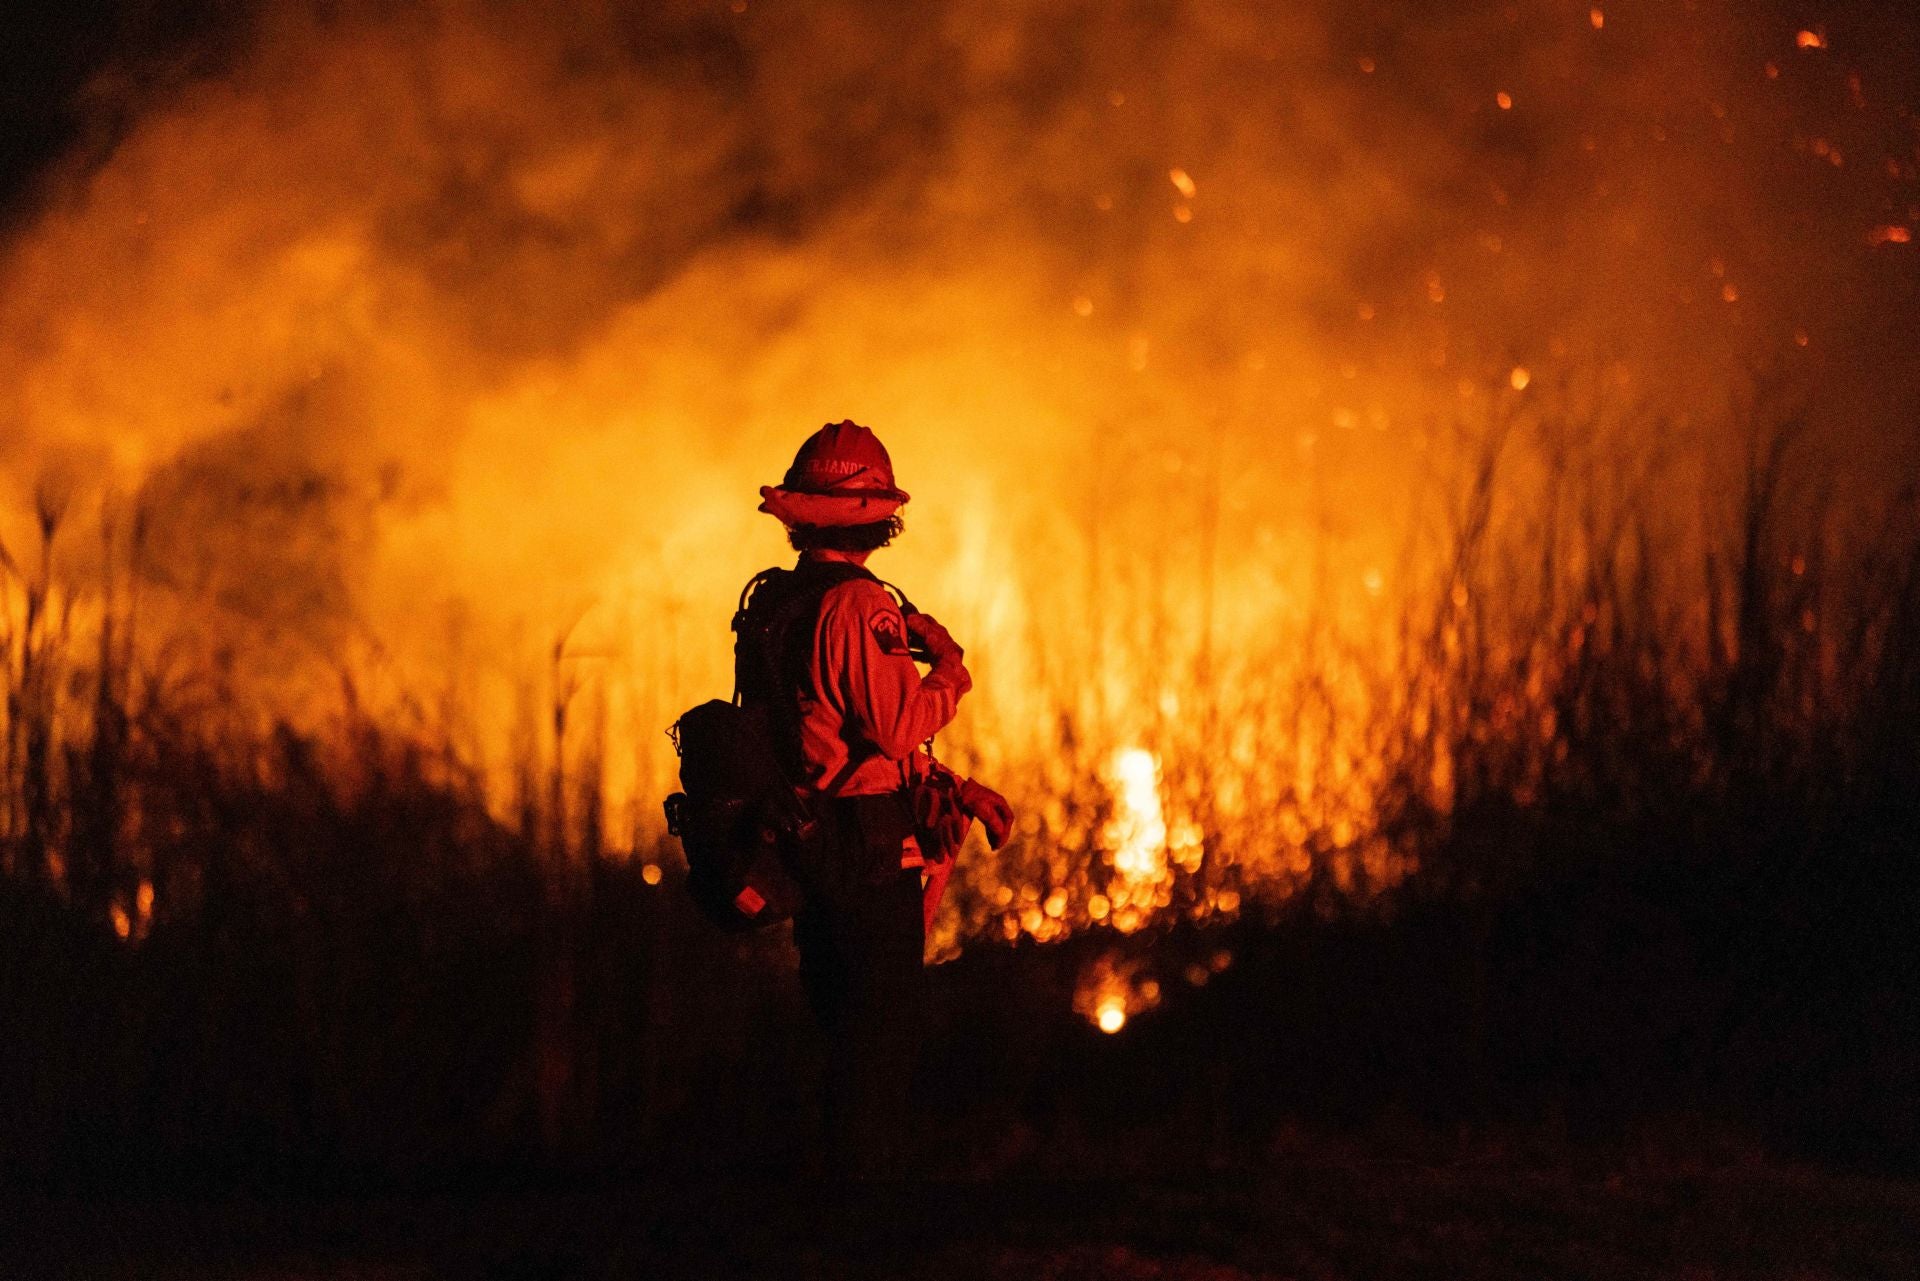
(926, 633)
(991, 808)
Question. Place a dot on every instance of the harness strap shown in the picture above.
(778, 633)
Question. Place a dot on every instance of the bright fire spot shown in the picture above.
(1505, 100)
(1890, 234)
(122, 923)
(143, 900)
(1597, 18)
(650, 873)
(1729, 293)
(1111, 991)
(1810, 40)
(1182, 182)
(1519, 378)
(1137, 832)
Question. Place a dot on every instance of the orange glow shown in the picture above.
(1810, 40)
(450, 419)
(1113, 990)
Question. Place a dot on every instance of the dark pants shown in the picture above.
(861, 941)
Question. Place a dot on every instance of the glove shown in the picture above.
(926, 633)
(991, 808)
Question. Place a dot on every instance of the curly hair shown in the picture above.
(845, 538)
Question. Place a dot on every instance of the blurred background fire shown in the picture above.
(1439, 481)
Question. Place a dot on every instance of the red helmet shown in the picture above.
(841, 476)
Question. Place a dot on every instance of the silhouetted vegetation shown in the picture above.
(1661, 866)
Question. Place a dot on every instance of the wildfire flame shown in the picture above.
(420, 369)
(1113, 990)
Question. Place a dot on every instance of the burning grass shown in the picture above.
(331, 950)
(1328, 467)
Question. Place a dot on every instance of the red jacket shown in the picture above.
(864, 706)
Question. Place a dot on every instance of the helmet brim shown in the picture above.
(797, 507)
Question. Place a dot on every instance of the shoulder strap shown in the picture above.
(899, 597)
(768, 627)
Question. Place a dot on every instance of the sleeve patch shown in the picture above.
(889, 632)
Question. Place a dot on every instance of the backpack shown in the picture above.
(742, 817)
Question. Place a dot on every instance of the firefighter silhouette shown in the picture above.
(854, 708)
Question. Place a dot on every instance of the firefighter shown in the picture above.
(856, 706)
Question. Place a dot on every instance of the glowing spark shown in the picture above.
(1729, 293)
(650, 873)
(1519, 378)
(1890, 234)
(1182, 214)
(1112, 1014)
(143, 900)
(1375, 582)
(1505, 100)
(1597, 18)
(1773, 71)
(1366, 66)
(122, 923)
(1810, 40)
(1799, 337)
(1182, 182)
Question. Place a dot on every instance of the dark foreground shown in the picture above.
(1320, 1209)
